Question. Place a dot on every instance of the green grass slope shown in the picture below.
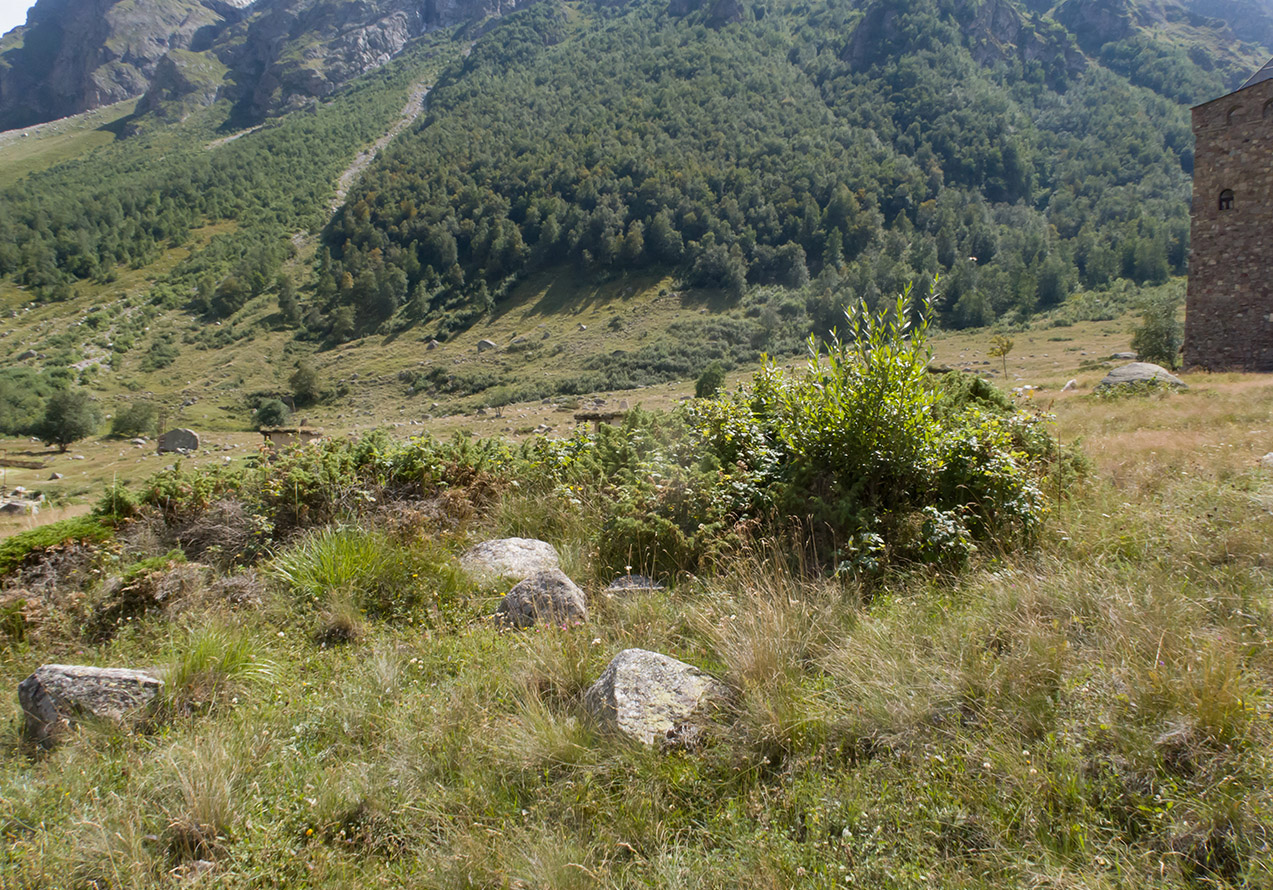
(1091, 710)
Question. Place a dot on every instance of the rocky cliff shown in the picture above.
(73, 55)
(293, 51)
(268, 57)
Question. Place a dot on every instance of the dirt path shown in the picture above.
(413, 109)
(217, 143)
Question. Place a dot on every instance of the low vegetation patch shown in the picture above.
(938, 672)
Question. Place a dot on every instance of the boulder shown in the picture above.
(1267, 461)
(516, 558)
(546, 597)
(1140, 372)
(1124, 357)
(19, 508)
(1070, 386)
(484, 345)
(178, 440)
(57, 695)
(633, 584)
(433, 344)
(652, 697)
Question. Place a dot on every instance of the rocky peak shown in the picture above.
(73, 55)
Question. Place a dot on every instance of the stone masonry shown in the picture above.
(1229, 308)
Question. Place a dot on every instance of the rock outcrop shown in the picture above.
(546, 597)
(57, 695)
(654, 698)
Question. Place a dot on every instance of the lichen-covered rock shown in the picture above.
(546, 597)
(516, 558)
(653, 697)
(1140, 372)
(56, 695)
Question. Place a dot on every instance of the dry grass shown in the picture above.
(1094, 713)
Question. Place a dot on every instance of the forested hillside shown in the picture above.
(790, 157)
(863, 145)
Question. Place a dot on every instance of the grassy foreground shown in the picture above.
(1089, 712)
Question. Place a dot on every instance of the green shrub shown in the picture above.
(709, 383)
(271, 412)
(117, 503)
(1159, 336)
(136, 419)
(17, 549)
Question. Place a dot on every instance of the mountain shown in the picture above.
(269, 56)
(279, 180)
(72, 56)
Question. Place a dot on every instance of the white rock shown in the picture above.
(652, 697)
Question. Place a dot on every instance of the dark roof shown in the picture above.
(1265, 73)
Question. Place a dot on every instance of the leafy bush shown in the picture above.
(271, 412)
(1159, 336)
(709, 383)
(135, 419)
(117, 503)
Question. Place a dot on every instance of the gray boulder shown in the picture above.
(546, 597)
(516, 558)
(484, 345)
(1140, 372)
(633, 584)
(56, 695)
(1124, 357)
(178, 440)
(652, 697)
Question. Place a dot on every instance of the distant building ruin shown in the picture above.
(278, 437)
(1229, 308)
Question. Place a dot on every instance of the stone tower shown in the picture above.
(1229, 308)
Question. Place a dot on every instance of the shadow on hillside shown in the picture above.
(567, 292)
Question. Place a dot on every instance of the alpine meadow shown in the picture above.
(650, 443)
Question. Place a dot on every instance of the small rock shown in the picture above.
(56, 695)
(484, 345)
(546, 597)
(633, 584)
(1070, 386)
(582, 326)
(1267, 461)
(1124, 357)
(652, 697)
(54, 477)
(516, 558)
(140, 442)
(433, 344)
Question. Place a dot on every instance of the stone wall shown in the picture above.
(1229, 314)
